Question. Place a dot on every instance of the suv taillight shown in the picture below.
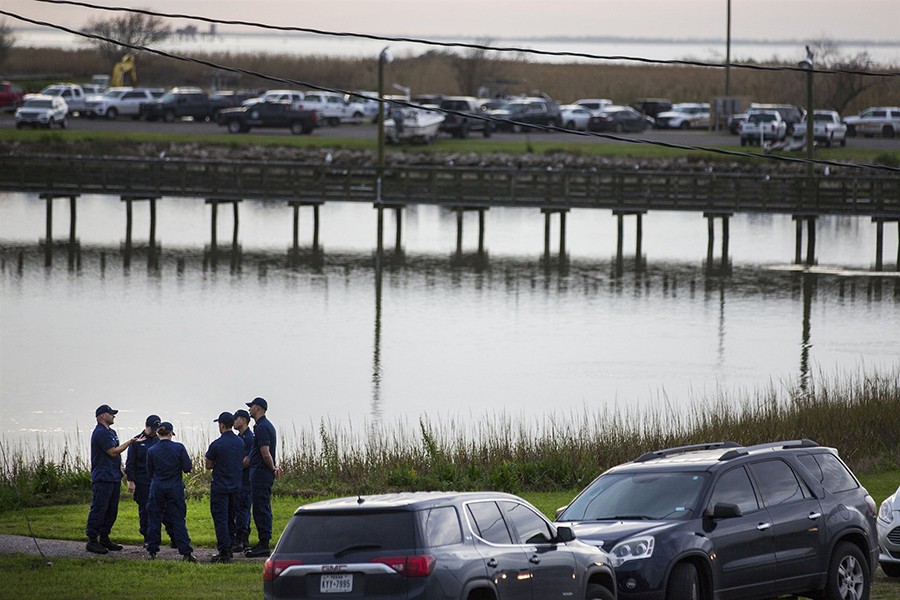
(274, 568)
(418, 565)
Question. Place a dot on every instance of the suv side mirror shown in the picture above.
(564, 534)
(725, 510)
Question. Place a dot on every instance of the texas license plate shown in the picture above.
(336, 584)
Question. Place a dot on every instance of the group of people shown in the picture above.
(243, 473)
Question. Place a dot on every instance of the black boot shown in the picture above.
(96, 547)
(240, 542)
(189, 558)
(259, 550)
(110, 545)
(221, 557)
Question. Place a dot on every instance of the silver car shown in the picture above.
(889, 535)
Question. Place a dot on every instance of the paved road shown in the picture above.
(684, 138)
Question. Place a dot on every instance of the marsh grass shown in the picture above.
(857, 413)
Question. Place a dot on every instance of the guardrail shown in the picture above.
(633, 190)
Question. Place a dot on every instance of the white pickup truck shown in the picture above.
(828, 128)
(72, 93)
(334, 109)
(762, 126)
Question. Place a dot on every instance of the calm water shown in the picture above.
(356, 339)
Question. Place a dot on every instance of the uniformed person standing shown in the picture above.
(225, 457)
(106, 481)
(166, 461)
(263, 471)
(245, 497)
(136, 471)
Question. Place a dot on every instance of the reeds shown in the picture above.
(857, 413)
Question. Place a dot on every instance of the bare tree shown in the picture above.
(836, 91)
(131, 28)
(7, 41)
(473, 68)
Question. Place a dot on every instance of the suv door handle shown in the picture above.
(535, 559)
(492, 563)
(763, 526)
(814, 515)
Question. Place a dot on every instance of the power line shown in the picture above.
(427, 42)
(306, 84)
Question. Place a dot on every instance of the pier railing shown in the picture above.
(624, 190)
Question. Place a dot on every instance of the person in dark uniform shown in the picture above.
(106, 481)
(225, 457)
(166, 461)
(263, 471)
(245, 497)
(136, 472)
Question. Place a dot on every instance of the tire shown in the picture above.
(64, 123)
(516, 128)
(684, 125)
(488, 130)
(891, 569)
(358, 116)
(169, 116)
(848, 576)
(596, 591)
(684, 584)
(464, 131)
(888, 132)
(234, 126)
(829, 141)
(112, 114)
(619, 128)
(843, 141)
(296, 127)
(851, 131)
(570, 124)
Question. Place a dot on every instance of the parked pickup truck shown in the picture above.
(459, 125)
(73, 94)
(827, 128)
(178, 103)
(268, 114)
(763, 126)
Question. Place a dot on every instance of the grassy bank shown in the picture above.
(857, 413)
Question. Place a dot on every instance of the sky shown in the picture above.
(874, 20)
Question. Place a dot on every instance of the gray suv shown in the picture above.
(721, 520)
(434, 546)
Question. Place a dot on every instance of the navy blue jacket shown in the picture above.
(263, 435)
(227, 454)
(166, 460)
(103, 466)
(136, 462)
(248, 438)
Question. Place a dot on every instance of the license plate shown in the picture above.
(336, 584)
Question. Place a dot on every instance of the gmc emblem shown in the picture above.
(333, 568)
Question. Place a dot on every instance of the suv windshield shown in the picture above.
(668, 495)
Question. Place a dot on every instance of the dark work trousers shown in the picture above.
(104, 508)
(223, 506)
(141, 494)
(262, 512)
(167, 505)
(242, 512)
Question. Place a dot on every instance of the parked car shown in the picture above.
(827, 128)
(684, 115)
(575, 116)
(11, 96)
(232, 98)
(594, 104)
(619, 119)
(293, 96)
(182, 102)
(39, 110)
(460, 125)
(762, 126)
(72, 93)
(370, 107)
(124, 101)
(722, 520)
(242, 119)
(879, 120)
(889, 535)
(651, 106)
(527, 111)
(791, 114)
(333, 108)
(475, 545)
(735, 121)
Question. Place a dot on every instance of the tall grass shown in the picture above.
(857, 413)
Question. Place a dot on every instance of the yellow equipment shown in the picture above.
(123, 68)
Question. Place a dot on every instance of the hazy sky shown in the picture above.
(751, 19)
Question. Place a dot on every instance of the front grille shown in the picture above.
(894, 536)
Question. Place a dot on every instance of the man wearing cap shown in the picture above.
(263, 472)
(225, 457)
(106, 480)
(245, 496)
(166, 461)
(136, 471)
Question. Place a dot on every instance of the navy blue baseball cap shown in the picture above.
(260, 402)
(153, 421)
(241, 413)
(106, 408)
(226, 418)
(166, 427)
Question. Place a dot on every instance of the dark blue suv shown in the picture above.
(433, 546)
(723, 521)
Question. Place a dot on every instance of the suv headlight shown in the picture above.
(632, 549)
(886, 510)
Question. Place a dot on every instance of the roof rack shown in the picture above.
(785, 444)
(684, 449)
